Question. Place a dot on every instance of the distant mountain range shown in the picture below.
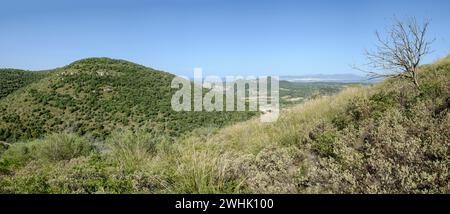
(342, 78)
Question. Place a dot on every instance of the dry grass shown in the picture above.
(387, 138)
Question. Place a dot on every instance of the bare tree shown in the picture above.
(400, 52)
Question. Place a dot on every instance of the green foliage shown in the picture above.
(65, 163)
(323, 144)
(387, 138)
(17, 155)
(13, 79)
(98, 96)
(80, 175)
(299, 92)
(129, 149)
(58, 147)
(53, 148)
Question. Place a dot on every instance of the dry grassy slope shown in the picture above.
(296, 122)
(342, 143)
(257, 152)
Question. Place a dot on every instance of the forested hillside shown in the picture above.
(95, 97)
(13, 79)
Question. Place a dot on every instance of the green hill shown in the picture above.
(386, 138)
(95, 97)
(13, 79)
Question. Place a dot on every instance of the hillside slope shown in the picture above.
(13, 79)
(97, 96)
(387, 138)
(292, 93)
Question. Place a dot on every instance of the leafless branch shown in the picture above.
(399, 52)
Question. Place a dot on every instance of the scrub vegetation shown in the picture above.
(392, 137)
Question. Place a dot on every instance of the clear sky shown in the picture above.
(224, 37)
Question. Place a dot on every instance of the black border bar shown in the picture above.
(126, 203)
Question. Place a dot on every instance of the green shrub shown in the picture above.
(430, 90)
(132, 148)
(57, 147)
(16, 156)
(53, 148)
(323, 144)
(401, 156)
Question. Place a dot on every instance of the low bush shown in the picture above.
(53, 148)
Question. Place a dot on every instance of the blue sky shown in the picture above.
(224, 37)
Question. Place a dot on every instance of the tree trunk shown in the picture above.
(414, 75)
